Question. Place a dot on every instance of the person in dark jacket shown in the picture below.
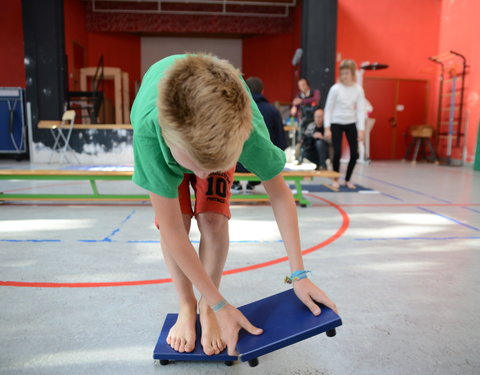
(273, 120)
(314, 142)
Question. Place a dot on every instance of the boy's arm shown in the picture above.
(285, 212)
(174, 235)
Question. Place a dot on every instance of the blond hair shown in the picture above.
(204, 108)
(350, 65)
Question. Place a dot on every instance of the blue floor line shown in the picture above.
(115, 231)
(418, 238)
(404, 188)
(393, 197)
(449, 218)
(129, 216)
(137, 241)
(471, 209)
(30, 240)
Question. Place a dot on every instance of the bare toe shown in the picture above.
(189, 346)
(182, 335)
(208, 350)
(181, 347)
(350, 185)
(211, 337)
(221, 346)
(175, 344)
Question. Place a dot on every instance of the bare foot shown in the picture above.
(211, 338)
(335, 184)
(182, 335)
(349, 185)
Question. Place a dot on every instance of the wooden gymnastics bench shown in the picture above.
(93, 176)
(45, 124)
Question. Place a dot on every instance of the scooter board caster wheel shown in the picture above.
(164, 362)
(228, 363)
(331, 332)
(253, 362)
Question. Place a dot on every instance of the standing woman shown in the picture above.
(345, 113)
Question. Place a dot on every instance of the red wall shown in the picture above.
(12, 71)
(459, 31)
(276, 71)
(74, 33)
(269, 57)
(402, 34)
(119, 50)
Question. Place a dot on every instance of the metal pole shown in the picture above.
(451, 118)
(440, 97)
(460, 114)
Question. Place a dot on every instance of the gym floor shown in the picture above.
(84, 289)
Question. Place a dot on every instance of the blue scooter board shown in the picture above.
(165, 353)
(285, 320)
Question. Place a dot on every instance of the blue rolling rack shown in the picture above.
(13, 134)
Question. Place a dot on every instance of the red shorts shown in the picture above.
(211, 194)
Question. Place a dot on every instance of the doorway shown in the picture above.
(397, 105)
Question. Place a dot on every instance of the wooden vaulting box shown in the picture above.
(120, 86)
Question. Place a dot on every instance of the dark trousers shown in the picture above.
(322, 152)
(315, 150)
(350, 131)
(241, 169)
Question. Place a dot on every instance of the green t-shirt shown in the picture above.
(155, 168)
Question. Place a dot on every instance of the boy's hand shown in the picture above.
(309, 293)
(231, 321)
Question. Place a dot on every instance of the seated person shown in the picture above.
(314, 144)
(273, 120)
(304, 104)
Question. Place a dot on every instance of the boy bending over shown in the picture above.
(193, 119)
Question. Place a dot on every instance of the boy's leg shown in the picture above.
(214, 243)
(182, 335)
(212, 212)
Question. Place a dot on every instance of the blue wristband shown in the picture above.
(219, 305)
(295, 276)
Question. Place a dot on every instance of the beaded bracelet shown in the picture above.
(295, 276)
(219, 305)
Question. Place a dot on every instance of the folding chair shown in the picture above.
(61, 141)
